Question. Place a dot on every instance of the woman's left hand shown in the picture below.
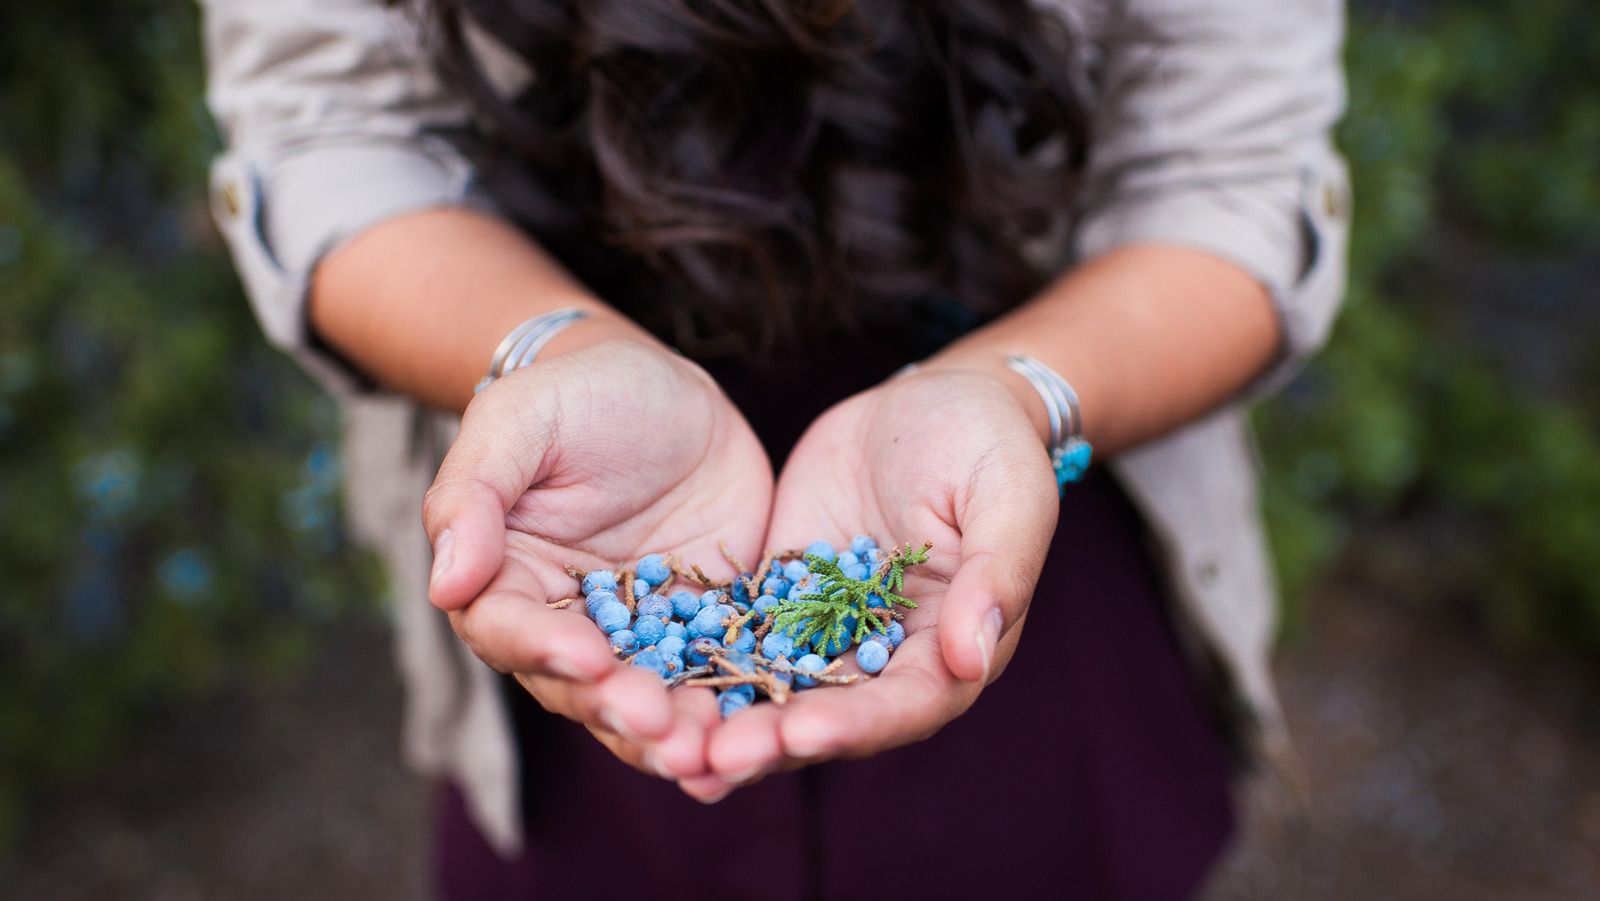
(942, 455)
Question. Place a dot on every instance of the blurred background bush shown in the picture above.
(1445, 442)
(169, 512)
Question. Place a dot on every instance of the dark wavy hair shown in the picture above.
(781, 167)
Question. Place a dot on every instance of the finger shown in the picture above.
(682, 754)
(913, 697)
(466, 527)
(514, 633)
(708, 789)
(679, 755)
(747, 745)
(1006, 524)
(700, 705)
(630, 702)
(631, 753)
(498, 455)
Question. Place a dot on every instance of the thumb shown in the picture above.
(1006, 526)
(499, 454)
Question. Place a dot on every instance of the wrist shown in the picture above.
(993, 365)
(559, 330)
(1051, 394)
(599, 324)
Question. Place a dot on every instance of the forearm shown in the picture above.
(420, 302)
(1149, 336)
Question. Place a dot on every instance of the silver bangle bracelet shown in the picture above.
(522, 345)
(1069, 452)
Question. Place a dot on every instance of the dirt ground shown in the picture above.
(1437, 771)
(293, 791)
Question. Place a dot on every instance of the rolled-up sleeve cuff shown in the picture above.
(282, 209)
(1291, 236)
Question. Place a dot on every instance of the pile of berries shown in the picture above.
(786, 626)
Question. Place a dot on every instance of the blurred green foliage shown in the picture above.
(1445, 442)
(169, 516)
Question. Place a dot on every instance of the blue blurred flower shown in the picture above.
(187, 575)
(322, 467)
(305, 508)
(108, 483)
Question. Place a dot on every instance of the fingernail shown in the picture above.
(697, 786)
(988, 636)
(803, 741)
(566, 670)
(713, 798)
(444, 554)
(654, 764)
(744, 776)
(614, 723)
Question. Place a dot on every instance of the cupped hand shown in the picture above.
(592, 459)
(942, 455)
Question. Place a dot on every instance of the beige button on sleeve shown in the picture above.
(333, 117)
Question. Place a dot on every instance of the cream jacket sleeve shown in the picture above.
(333, 120)
(1213, 130)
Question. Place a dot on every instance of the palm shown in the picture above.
(647, 477)
(860, 469)
(642, 456)
(946, 458)
(591, 459)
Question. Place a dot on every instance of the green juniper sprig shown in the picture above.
(893, 570)
(839, 598)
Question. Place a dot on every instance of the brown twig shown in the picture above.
(764, 570)
(778, 691)
(719, 657)
(696, 575)
(672, 572)
(761, 676)
(839, 680)
(722, 681)
(562, 604)
(709, 582)
(825, 675)
(727, 555)
(691, 672)
(626, 584)
(738, 623)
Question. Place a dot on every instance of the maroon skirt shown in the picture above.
(1092, 768)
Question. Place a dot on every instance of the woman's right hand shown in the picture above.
(592, 459)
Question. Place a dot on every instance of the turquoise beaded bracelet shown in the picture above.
(1069, 452)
